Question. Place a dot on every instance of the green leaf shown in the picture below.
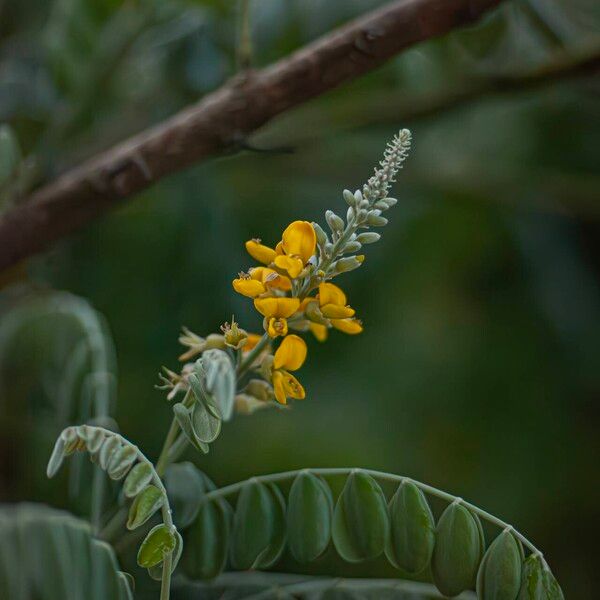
(309, 514)
(457, 551)
(277, 541)
(207, 541)
(538, 582)
(499, 576)
(182, 414)
(412, 536)
(145, 504)
(159, 541)
(56, 458)
(253, 525)
(220, 380)
(110, 445)
(206, 426)
(361, 521)
(50, 555)
(139, 477)
(185, 489)
(121, 461)
(156, 571)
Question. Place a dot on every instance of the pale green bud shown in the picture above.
(352, 247)
(349, 263)
(368, 237)
(260, 389)
(349, 198)
(335, 223)
(321, 235)
(376, 219)
(349, 214)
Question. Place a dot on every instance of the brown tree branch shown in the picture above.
(223, 118)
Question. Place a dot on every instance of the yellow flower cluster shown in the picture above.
(280, 290)
(291, 288)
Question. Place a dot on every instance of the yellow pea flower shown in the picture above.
(349, 326)
(259, 280)
(332, 302)
(277, 310)
(251, 341)
(290, 356)
(263, 254)
(300, 240)
(319, 331)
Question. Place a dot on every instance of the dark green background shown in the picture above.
(478, 368)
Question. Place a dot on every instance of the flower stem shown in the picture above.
(252, 355)
(165, 584)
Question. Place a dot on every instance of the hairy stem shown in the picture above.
(252, 355)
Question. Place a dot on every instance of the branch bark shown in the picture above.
(223, 119)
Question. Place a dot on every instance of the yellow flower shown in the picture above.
(277, 310)
(260, 280)
(290, 356)
(297, 246)
(332, 306)
(299, 239)
(349, 326)
(263, 254)
(332, 302)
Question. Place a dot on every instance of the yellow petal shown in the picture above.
(278, 387)
(350, 326)
(272, 279)
(291, 353)
(293, 388)
(331, 294)
(292, 265)
(277, 327)
(259, 273)
(279, 248)
(259, 252)
(299, 239)
(276, 307)
(333, 311)
(248, 287)
(319, 331)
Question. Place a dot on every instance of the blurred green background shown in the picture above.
(478, 369)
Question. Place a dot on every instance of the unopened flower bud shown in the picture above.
(368, 237)
(321, 235)
(335, 223)
(376, 219)
(349, 214)
(260, 389)
(352, 247)
(348, 263)
(349, 198)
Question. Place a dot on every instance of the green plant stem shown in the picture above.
(252, 355)
(165, 583)
(163, 460)
(345, 471)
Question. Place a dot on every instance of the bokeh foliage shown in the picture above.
(478, 368)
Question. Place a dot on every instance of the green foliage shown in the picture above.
(361, 520)
(538, 583)
(499, 576)
(309, 515)
(48, 554)
(412, 536)
(458, 550)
